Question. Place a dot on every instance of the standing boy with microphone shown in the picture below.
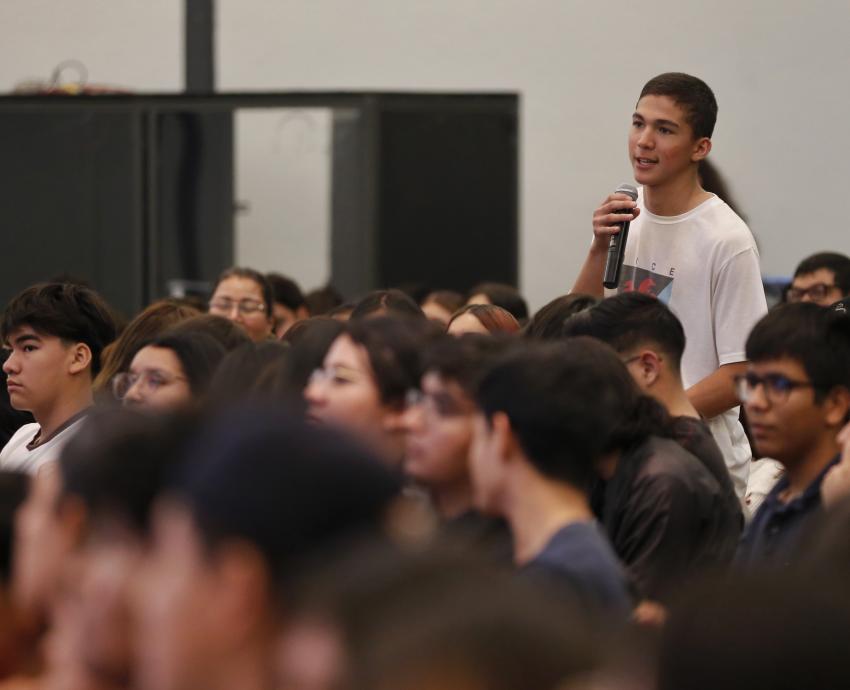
(687, 247)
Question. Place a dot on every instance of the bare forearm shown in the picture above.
(716, 392)
(589, 281)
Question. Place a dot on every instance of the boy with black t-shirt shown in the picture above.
(55, 334)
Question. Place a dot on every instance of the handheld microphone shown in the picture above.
(617, 245)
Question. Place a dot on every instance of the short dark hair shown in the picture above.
(250, 274)
(691, 94)
(815, 336)
(386, 302)
(228, 333)
(839, 264)
(504, 296)
(240, 371)
(73, 313)
(285, 291)
(322, 300)
(120, 460)
(568, 403)
(287, 488)
(630, 319)
(199, 354)
(394, 345)
(464, 359)
(548, 322)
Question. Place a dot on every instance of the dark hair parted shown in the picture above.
(385, 302)
(285, 291)
(394, 346)
(250, 274)
(815, 336)
(504, 296)
(569, 403)
(73, 313)
(629, 320)
(120, 461)
(691, 94)
(839, 264)
(199, 355)
(548, 322)
(494, 319)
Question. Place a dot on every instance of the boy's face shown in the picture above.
(785, 425)
(662, 146)
(37, 368)
(439, 433)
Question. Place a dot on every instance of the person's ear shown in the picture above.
(243, 595)
(505, 442)
(302, 313)
(80, 358)
(837, 407)
(649, 368)
(701, 149)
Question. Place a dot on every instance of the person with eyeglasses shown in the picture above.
(244, 296)
(796, 393)
(822, 278)
(169, 372)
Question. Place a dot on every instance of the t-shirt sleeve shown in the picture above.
(738, 302)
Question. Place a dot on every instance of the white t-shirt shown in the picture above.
(704, 265)
(16, 456)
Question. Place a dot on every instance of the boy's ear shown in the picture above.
(837, 406)
(81, 358)
(702, 147)
(506, 443)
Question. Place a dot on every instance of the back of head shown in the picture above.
(225, 331)
(631, 320)
(567, 402)
(288, 489)
(73, 313)
(120, 461)
(449, 300)
(548, 322)
(394, 346)
(386, 303)
(285, 291)
(691, 94)
(241, 371)
(154, 320)
(464, 359)
(814, 336)
(199, 354)
(504, 296)
(322, 300)
(309, 342)
(495, 319)
(839, 264)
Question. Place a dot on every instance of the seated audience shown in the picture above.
(498, 294)
(650, 340)
(548, 322)
(822, 278)
(258, 499)
(364, 379)
(56, 333)
(386, 303)
(482, 318)
(244, 296)
(536, 441)
(439, 424)
(170, 372)
(797, 396)
(441, 304)
(151, 322)
(289, 307)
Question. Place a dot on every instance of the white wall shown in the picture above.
(779, 70)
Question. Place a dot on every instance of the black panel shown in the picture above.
(70, 194)
(447, 210)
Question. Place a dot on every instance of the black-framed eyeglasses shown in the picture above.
(816, 292)
(777, 387)
(246, 307)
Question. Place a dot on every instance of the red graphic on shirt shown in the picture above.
(636, 279)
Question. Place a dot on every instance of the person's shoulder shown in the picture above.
(15, 451)
(669, 464)
(724, 226)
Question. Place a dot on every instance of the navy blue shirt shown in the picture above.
(579, 560)
(773, 535)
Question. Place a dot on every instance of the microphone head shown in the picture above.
(629, 189)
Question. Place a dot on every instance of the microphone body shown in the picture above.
(617, 245)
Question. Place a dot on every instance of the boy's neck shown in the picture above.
(453, 500)
(802, 473)
(66, 406)
(538, 509)
(675, 197)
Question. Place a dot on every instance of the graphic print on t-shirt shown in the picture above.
(636, 279)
